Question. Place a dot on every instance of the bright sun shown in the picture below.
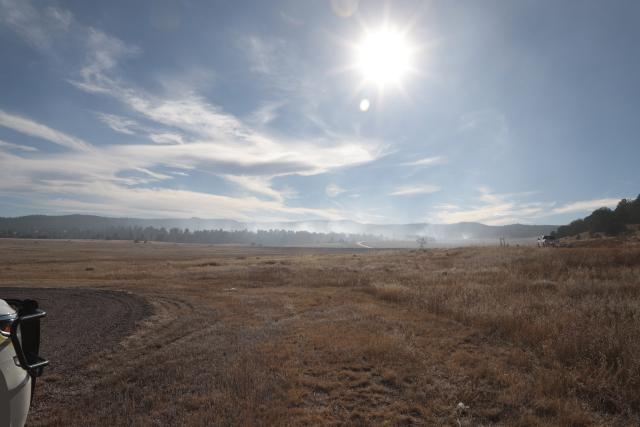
(384, 57)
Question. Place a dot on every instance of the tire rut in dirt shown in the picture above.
(81, 322)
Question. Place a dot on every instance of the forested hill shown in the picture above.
(120, 229)
(57, 223)
(605, 220)
(87, 226)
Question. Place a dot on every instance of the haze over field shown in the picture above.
(94, 227)
(403, 112)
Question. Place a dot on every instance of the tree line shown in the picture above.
(605, 220)
(178, 235)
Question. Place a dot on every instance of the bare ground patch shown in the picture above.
(82, 325)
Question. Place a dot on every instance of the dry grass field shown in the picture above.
(258, 336)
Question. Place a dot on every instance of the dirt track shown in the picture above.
(67, 341)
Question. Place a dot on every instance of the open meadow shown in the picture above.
(179, 334)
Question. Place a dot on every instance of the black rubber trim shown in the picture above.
(28, 319)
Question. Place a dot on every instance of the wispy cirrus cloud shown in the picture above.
(265, 114)
(499, 209)
(586, 205)
(111, 185)
(492, 209)
(426, 161)
(129, 126)
(102, 53)
(256, 185)
(334, 190)
(29, 127)
(189, 133)
(230, 138)
(119, 124)
(290, 81)
(272, 59)
(19, 147)
(36, 25)
(166, 138)
(411, 190)
(156, 202)
(262, 53)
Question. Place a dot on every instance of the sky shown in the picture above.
(380, 112)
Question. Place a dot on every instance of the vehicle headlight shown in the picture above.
(5, 324)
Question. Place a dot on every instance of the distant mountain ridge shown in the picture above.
(457, 231)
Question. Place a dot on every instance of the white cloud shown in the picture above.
(492, 214)
(415, 189)
(19, 147)
(128, 126)
(159, 202)
(262, 54)
(36, 25)
(155, 175)
(215, 135)
(334, 190)
(265, 114)
(586, 205)
(427, 161)
(166, 138)
(119, 124)
(81, 182)
(493, 209)
(29, 127)
(190, 132)
(103, 52)
(254, 184)
(276, 63)
(113, 172)
(102, 55)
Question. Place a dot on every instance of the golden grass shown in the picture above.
(255, 336)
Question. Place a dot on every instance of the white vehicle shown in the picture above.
(20, 363)
(545, 241)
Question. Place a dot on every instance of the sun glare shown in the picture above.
(384, 57)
